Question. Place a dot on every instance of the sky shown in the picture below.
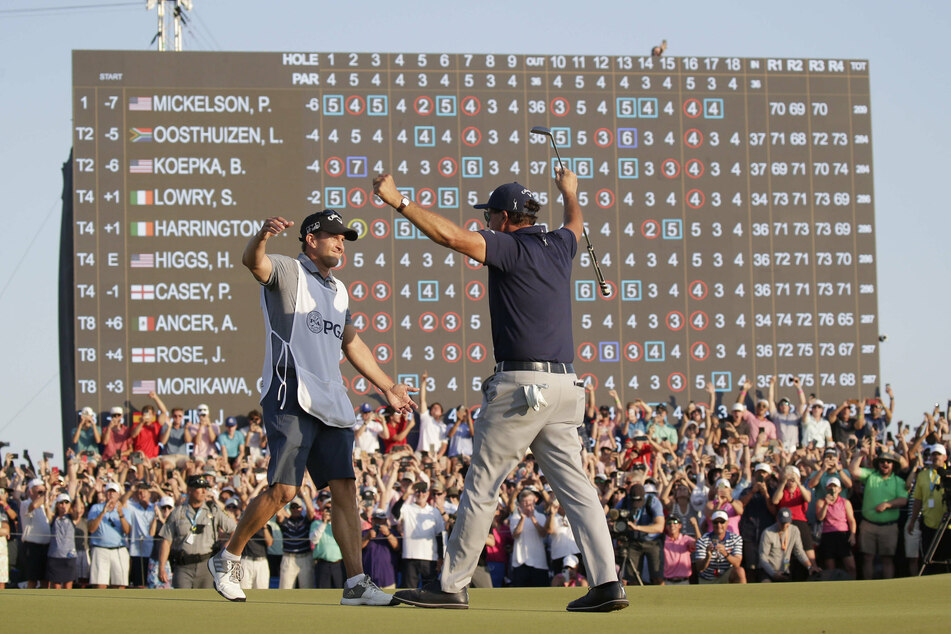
(904, 42)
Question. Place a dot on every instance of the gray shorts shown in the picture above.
(297, 441)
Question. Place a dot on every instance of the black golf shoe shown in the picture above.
(604, 598)
(432, 596)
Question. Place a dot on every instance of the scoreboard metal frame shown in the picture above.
(729, 200)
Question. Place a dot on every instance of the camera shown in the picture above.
(617, 521)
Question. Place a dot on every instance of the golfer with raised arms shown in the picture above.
(307, 414)
(534, 398)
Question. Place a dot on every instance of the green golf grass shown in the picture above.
(906, 605)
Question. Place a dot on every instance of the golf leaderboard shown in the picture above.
(729, 202)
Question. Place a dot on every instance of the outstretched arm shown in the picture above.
(361, 357)
(440, 230)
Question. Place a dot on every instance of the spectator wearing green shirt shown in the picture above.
(661, 431)
(328, 560)
(884, 496)
(86, 434)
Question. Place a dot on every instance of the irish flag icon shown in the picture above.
(142, 197)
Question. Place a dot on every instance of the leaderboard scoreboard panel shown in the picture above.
(729, 200)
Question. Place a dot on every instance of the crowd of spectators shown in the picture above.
(734, 489)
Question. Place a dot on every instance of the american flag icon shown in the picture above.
(143, 387)
(142, 261)
(140, 166)
(142, 291)
(143, 104)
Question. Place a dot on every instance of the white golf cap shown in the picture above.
(738, 407)
(87, 411)
(763, 401)
(570, 561)
(723, 483)
(203, 408)
(36, 482)
(113, 486)
(835, 481)
(817, 403)
(62, 497)
(116, 410)
(167, 501)
(939, 448)
(719, 515)
(762, 466)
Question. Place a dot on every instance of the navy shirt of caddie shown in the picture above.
(529, 293)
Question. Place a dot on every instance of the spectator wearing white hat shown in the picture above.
(163, 508)
(724, 501)
(838, 528)
(117, 437)
(140, 512)
(719, 554)
(758, 514)
(929, 501)
(108, 530)
(204, 434)
(569, 577)
(86, 435)
(61, 561)
(815, 426)
(753, 424)
(35, 516)
(779, 545)
(830, 467)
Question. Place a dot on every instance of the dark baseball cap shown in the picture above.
(327, 220)
(784, 516)
(198, 482)
(510, 197)
(637, 494)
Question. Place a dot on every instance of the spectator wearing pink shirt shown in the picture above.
(678, 552)
(723, 501)
(204, 435)
(750, 424)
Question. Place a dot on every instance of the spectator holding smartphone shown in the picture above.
(86, 434)
(35, 516)
(838, 528)
(61, 562)
(108, 531)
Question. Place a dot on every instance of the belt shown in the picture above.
(181, 559)
(676, 579)
(108, 547)
(880, 523)
(535, 366)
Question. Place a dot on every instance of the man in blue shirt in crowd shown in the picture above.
(108, 528)
(645, 528)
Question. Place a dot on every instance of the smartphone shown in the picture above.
(359, 463)
(47, 455)
(136, 459)
(236, 481)
(14, 456)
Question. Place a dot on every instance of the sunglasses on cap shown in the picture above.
(719, 521)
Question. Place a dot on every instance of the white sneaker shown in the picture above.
(366, 593)
(227, 577)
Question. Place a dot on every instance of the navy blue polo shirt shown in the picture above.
(530, 293)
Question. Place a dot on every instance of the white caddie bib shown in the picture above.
(316, 337)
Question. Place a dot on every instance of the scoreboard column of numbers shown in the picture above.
(729, 201)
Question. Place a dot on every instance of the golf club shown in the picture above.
(605, 289)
